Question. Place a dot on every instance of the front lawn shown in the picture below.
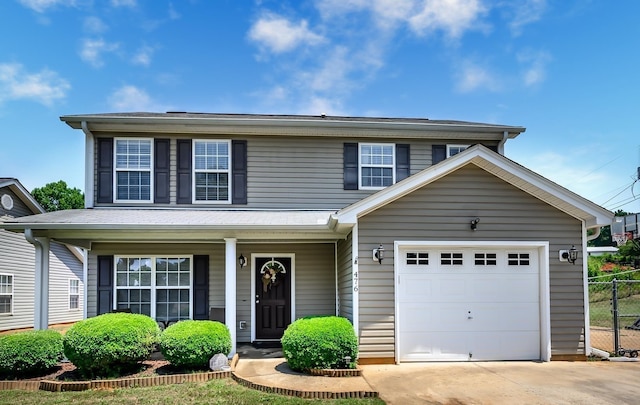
(223, 391)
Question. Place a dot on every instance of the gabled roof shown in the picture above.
(18, 189)
(509, 171)
(287, 125)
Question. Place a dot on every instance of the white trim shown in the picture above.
(292, 281)
(228, 171)
(585, 289)
(12, 294)
(393, 164)
(505, 169)
(230, 292)
(355, 298)
(153, 287)
(335, 269)
(7, 202)
(77, 294)
(150, 170)
(89, 168)
(543, 263)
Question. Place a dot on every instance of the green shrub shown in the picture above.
(111, 344)
(320, 342)
(29, 353)
(191, 344)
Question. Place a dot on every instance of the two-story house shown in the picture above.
(433, 244)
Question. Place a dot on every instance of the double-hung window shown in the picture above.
(377, 165)
(455, 149)
(159, 287)
(133, 159)
(6, 294)
(74, 293)
(211, 165)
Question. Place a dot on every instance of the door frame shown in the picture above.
(252, 296)
(542, 248)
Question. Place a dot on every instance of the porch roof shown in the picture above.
(84, 226)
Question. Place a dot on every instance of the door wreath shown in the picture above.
(270, 272)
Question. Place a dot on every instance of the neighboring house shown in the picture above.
(18, 272)
(434, 245)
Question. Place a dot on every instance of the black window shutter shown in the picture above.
(184, 171)
(438, 153)
(105, 284)
(350, 166)
(403, 168)
(161, 171)
(105, 170)
(239, 172)
(201, 287)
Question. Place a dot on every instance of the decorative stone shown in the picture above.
(218, 362)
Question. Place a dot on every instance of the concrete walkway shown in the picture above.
(462, 383)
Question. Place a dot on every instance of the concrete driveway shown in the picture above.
(556, 382)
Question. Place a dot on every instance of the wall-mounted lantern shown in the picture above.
(570, 255)
(378, 254)
(474, 224)
(242, 261)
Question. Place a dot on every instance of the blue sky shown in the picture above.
(566, 70)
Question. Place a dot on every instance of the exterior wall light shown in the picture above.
(242, 261)
(570, 255)
(378, 254)
(474, 224)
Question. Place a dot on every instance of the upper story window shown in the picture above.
(377, 165)
(211, 171)
(6, 294)
(133, 159)
(455, 149)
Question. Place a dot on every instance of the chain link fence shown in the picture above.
(614, 311)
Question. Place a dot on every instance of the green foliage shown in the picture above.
(320, 342)
(191, 344)
(29, 353)
(58, 196)
(110, 344)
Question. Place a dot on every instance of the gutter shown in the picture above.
(505, 136)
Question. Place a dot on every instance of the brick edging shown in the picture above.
(304, 394)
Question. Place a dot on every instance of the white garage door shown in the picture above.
(468, 304)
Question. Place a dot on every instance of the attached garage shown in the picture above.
(476, 301)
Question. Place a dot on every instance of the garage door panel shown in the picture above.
(488, 307)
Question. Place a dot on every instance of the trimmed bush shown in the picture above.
(110, 344)
(320, 342)
(29, 353)
(191, 344)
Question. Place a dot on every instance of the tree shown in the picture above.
(58, 196)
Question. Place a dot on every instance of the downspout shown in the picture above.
(89, 152)
(505, 136)
(41, 287)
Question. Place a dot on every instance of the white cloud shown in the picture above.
(471, 76)
(131, 98)
(173, 14)
(536, 66)
(143, 56)
(94, 25)
(451, 16)
(44, 87)
(525, 12)
(41, 6)
(93, 49)
(280, 35)
(123, 3)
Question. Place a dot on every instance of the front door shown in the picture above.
(273, 296)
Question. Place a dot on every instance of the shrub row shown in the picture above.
(110, 345)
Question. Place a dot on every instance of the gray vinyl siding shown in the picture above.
(17, 257)
(345, 278)
(19, 209)
(314, 275)
(441, 211)
(293, 172)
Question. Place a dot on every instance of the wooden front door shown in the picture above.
(273, 296)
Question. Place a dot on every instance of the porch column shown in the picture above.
(41, 298)
(230, 290)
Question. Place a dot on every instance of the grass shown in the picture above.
(223, 391)
(601, 314)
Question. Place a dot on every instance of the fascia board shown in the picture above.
(24, 195)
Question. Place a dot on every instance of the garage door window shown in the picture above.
(417, 258)
(518, 259)
(485, 259)
(451, 259)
